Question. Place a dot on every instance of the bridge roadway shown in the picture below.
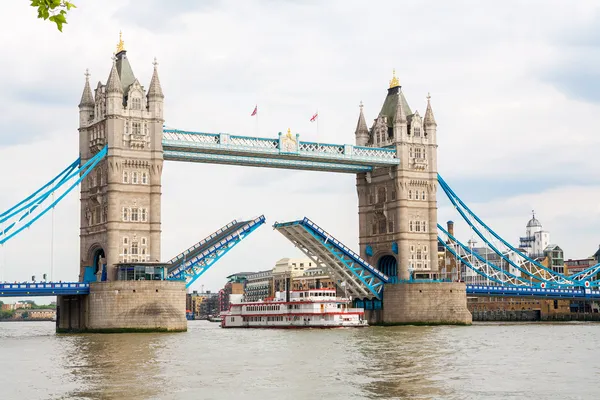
(517, 291)
(80, 288)
(43, 289)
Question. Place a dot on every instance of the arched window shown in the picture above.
(417, 130)
(144, 214)
(125, 177)
(410, 194)
(423, 197)
(134, 248)
(382, 225)
(145, 180)
(125, 214)
(134, 178)
(410, 226)
(381, 195)
(125, 241)
(374, 228)
(423, 226)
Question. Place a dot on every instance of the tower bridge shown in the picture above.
(394, 273)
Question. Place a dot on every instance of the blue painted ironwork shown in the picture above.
(192, 251)
(486, 269)
(24, 212)
(204, 255)
(361, 278)
(514, 291)
(526, 265)
(286, 151)
(43, 289)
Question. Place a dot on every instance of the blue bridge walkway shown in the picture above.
(285, 151)
(43, 289)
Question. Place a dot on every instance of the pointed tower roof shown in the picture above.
(361, 126)
(390, 104)
(123, 67)
(113, 84)
(155, 90)
(429, 118)
(87, 99)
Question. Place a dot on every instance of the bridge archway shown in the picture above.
(389, 266)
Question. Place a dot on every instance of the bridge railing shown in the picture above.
(329, 238)
(202, 242)
(44, 285)
(249, 226)
(286, 145)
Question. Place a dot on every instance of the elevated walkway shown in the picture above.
(193, 262)
(43, 289)
(362, 280)
(285, 151)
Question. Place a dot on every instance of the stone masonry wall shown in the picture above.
(426, 303)
(137, 306)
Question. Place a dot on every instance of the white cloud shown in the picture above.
(500, 118)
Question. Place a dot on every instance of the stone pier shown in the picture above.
(442, 303)
(125, 306)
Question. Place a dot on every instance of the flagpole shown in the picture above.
(317, 125)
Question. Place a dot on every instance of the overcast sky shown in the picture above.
(515, 91)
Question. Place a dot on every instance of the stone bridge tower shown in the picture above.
(397, 205)
(120, 199)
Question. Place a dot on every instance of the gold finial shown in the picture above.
(289, 134)
(87, 74)
(394, 82)
(121, 45)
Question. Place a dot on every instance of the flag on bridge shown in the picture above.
(314, 117)
(255, 111)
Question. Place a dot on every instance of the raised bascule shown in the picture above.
(395, 274)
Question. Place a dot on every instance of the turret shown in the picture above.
(362, 132)
(86, 105)
(114, 91)
(429, 121)
(400, 122)
(156, 96)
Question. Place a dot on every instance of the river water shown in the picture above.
(483, 361)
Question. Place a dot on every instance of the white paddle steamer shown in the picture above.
(314, 308)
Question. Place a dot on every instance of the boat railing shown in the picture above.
(353, 310)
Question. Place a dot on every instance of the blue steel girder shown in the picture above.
(286, 151)
(514, 291)
(186, 253)
(43, 289)
(362, 280)
(195, 267)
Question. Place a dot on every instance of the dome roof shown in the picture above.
(533, 222)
